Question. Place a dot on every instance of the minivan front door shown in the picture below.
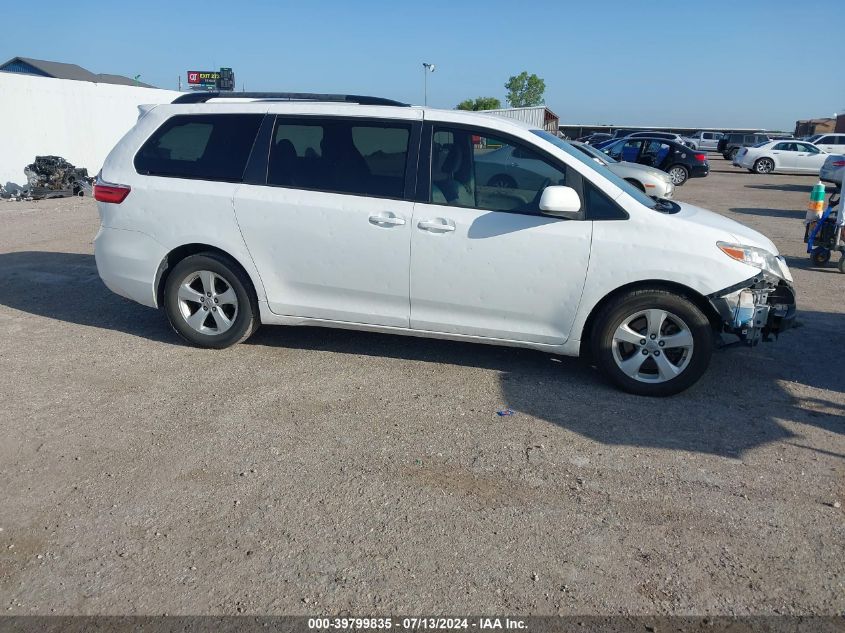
(329, 232)
(484, 261)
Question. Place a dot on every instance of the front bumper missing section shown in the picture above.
(757, 308)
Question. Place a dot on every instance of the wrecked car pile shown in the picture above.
(51, 177)
(54, 177)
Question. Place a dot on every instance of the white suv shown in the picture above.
(358, 212)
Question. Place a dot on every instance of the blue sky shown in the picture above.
(743, 63)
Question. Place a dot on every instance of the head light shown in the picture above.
(753, 256)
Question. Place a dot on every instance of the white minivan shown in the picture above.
(230, 211)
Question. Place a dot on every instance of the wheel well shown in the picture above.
(636, 183)
(178, 254)
(699, 300)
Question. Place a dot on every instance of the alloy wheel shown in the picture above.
(678, 175)
(764, 166)
(653, 346)
(207, 302)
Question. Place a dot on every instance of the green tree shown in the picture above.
(525, 90)
(479, 103)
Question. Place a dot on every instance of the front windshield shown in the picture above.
(628, 188)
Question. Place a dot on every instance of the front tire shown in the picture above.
(652, 342)
(732, 154)
(210, 301)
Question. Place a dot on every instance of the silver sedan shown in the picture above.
(653, 182)
(832, 169)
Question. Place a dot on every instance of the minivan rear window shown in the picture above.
(202, 146)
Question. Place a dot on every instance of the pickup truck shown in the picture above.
(707, 141)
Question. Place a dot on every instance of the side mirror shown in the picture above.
(560, 202)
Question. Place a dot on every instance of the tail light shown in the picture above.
(839, 163)
(110, 192)
(700, 157)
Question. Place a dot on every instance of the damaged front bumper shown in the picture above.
(757, 308)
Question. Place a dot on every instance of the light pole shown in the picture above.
(427, 68)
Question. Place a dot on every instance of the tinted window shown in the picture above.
(654, 153)
(484, 172)
(784, 147)
(632, 191)
(600, 207)
(206, 147)
(340, 156)
(825, 140)
(805, 147)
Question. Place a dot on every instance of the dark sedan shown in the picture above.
(679, 161)
(597, 137)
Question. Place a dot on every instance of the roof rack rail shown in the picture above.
(202, 97)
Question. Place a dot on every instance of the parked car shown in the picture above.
(831, 143)
(679, 161)
(707, 141)
(832, 169)
(730, 144)
(668, 136)
(592, 139)
(781, 156)
(230, 210)
(650, 180)
(622, 133)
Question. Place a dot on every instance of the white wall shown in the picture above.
(77, 120)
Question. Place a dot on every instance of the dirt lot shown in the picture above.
(318, 471)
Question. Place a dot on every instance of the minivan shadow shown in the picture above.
(567, 393)
(66, 287)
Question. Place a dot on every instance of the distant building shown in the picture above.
(60, 70)
(808, 127)
(540, 116)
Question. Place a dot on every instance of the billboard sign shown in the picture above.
(203, 78)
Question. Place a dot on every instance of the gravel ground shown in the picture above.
(323, 471)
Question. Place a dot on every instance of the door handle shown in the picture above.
(437, 225)
(386, 219)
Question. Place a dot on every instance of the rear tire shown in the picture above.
(210, 301)
(764, 166)
(679, 174)
(627, 336)
(732, 154)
